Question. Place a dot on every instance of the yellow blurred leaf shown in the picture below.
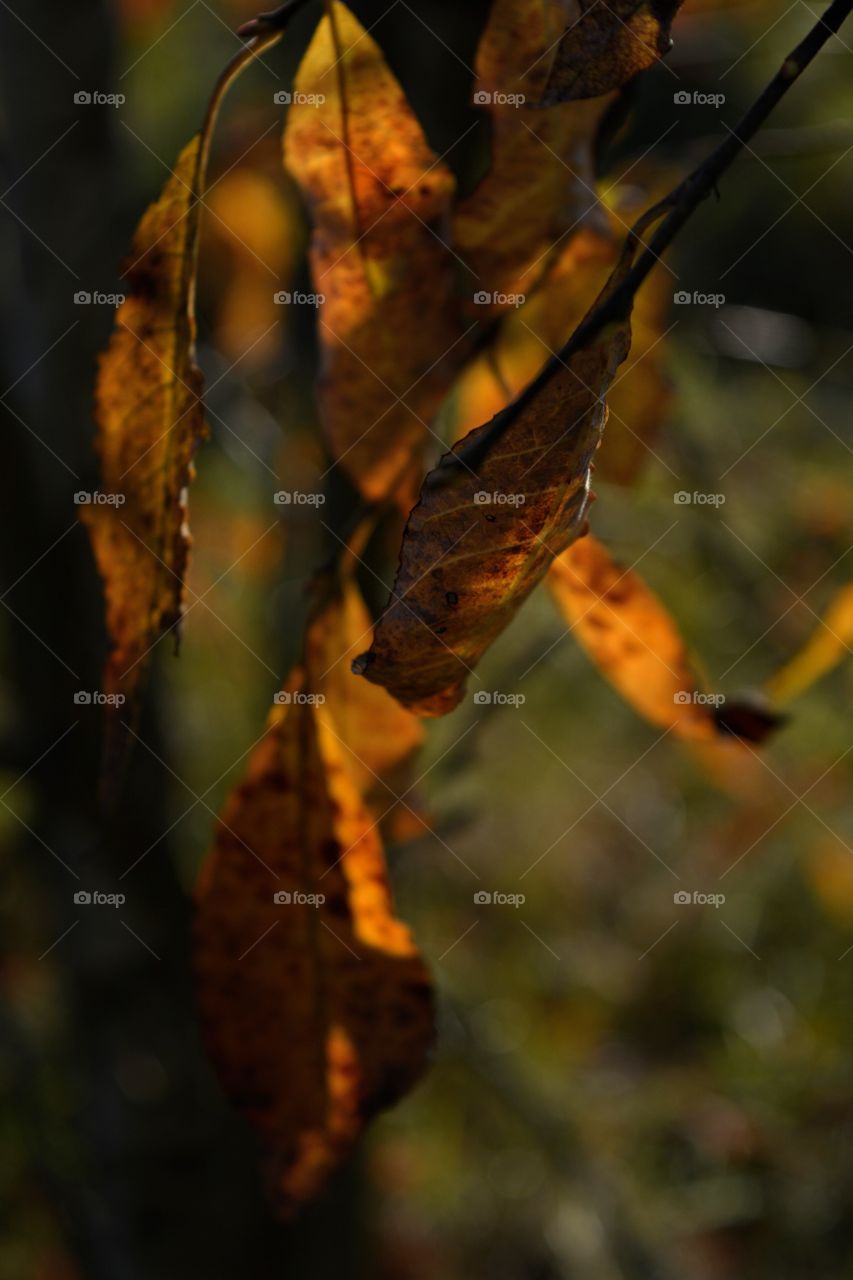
(829, 867)
(830, 644)
(253, 242)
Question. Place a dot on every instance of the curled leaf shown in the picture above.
(150, 421)
(479, 540)
(607, 43)
(377, 196)
(316, 1007)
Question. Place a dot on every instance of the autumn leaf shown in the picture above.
(607, 44)
(377, 196)
(316, 1006)
(530, 334)
(633, 639)
(377, 733)
(479, 541)
(831, 642)
(150, 421)
(540, 180)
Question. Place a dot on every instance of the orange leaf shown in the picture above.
(377, 733)
(376, 194)
(633, 639)
(150, 421)
(606, 45)
(316, 1006)
(540, 180)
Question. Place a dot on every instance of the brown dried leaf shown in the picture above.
(150, 421)
(377, 195)
(316, 1016)
(607, 43)
(633, 639)
(467, 564)
(540, 181)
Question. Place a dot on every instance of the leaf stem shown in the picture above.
(276, 20)
(681, 202)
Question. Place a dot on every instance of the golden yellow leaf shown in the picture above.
(316, 1007)
(607, 44)
(540, 180)
(831, 642)
(150, 421)
(377, 733)
(377, 196)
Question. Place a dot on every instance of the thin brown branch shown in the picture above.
(681, 202)
(276, 20)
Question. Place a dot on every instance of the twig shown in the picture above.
(682, 201)
(276, 20)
